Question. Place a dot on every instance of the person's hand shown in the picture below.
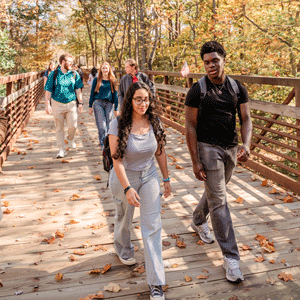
(116, 113)
(80, 108)
(91, 111)
(199, 171)
(167, 187)
(48, 109)
(243, 153)
(133, 197)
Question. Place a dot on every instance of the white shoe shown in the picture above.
(128, 262)
(233, 271)
(71, 143)
(204, 232)
(61, 153)
(156, 292)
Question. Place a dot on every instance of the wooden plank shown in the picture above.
(171, 88)
(11, 78)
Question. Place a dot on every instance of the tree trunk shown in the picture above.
(142, 34)
(152, 54)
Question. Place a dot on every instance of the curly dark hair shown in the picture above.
(212, 46)
(125, 120)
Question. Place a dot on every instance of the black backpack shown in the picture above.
(107, 160)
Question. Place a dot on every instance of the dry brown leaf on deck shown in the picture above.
(95, 272)
(56, 190)
(95, 227)
(106, 268)
(179, 167)
(100, 247)
(64, 161)
(73, 222)
(272, 261)
(173, 158)
(165, 287)
(268, 246)
(32, 167)
(246, 247)
(136, 248)
(59, 277)
(79, 252)
(166, 243)
(202, 276)
(259, 259)
(188, 278)
(75, 197)
(283, 261)
(285, 276)
(53, 213)
(173, 236)
(140, 269)
(8, 211)
(86, 244)
(205, 271)
(97, 177)
(1, 283)
(72, 257)
(50, 240)
(180, 244)
(5, 203)
(99, 295)
(112, 287)
(59, 234)
(239, 200)
(288, 199)
(105, 213)
(260, 237)
(273, 191)
(200, 242)
(174, 266)
(264, 183)
(2, 196)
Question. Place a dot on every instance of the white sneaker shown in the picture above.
(203, 232)
(233, 271)
(156, 292)
(71, 143)
(61, 153)
(128, 262)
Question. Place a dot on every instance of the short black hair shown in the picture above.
(212, 46)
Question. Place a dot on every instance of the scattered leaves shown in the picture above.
(180, 244)
(100, 247)
(239, 200)
(73, 222)
(264, 183)
(86, 244)
(32, 167)
(59, 234)
(188, 279)
(106, 268)
(283, 261)
(64, 161)
(50, 240)
(8, 211)
(174, 266)
(288, 199)
(273, 191)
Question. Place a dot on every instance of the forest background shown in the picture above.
(261, 37)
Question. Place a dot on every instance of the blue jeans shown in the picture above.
(147, 185)
(103, 111)
(218, 163)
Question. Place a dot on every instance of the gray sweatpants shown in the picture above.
(218, 163)
(147, 185)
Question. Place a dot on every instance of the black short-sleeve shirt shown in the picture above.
(216, 123)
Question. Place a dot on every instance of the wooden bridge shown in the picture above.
(56, 209)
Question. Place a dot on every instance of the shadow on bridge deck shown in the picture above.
(39, 189)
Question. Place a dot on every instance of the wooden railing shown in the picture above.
(23, 93)
(275, 148)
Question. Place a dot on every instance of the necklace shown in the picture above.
(219, 90)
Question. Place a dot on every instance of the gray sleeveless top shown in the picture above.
(139, 154)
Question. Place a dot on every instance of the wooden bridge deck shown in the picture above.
(39, 189)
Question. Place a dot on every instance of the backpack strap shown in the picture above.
(203, 88)
(54, 79)
(234, 86)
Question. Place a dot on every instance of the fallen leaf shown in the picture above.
(99, 295)
(79, 252)
(179, 167)
(273, 191)
(53, 213)
(139, 269)
(59, 277)
(73, 222)
(180, 244)
(264, 183)
(165, 287)
(50, 240)
(202, 276)
(200, 242)
(86, 244)
(246, 247)
(59, 234)
(205, 271)
(174, 235)
(259, 259)
(239, 200)
(5, 203)
(233, 298)
(97, 177)
(188, 279)
(8, 211)
(95, 272)
(272, 261)
(260, 237)
(72, 257)
(136, 248)
(75, 197)
(166, 243)
(173, 158)
(64, 161)
(174, 266)
(33, 167)
(268, 246)
(112, 287)
(105, 213)
(100, 247)
(285, 276)
(106, 268)
(56, 190)
(283, 261)
(2, 196)
(288, 199)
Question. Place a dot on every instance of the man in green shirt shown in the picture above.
(64, 86)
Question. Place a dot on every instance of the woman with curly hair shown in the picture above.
(135, 138)
(102, 99)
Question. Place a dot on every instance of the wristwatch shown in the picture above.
(80, 103)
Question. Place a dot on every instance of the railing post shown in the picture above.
(297, 103)
(167, 109)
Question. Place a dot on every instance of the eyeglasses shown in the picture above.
(140, 100)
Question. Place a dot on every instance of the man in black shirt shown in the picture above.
(213, 145)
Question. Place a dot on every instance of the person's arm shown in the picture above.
(246, 132)
(131, 195)
(48, 108)
(191, 115)
(79, 97)
(163, 166)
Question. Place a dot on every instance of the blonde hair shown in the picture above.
(111, 78)
(132, 63)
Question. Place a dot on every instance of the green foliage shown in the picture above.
(7, 53)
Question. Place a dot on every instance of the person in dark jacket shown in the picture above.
(102, 99)
(132, 75)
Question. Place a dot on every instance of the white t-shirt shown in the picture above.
(91, 78)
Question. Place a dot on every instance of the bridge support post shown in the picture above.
(297, 103)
